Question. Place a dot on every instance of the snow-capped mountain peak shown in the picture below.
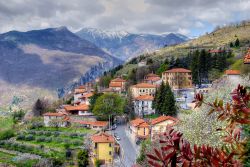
(104, 33)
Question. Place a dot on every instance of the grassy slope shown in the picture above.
(219, 38)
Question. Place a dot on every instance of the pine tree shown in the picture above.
(168, 107)
(231, 45)
(237, 42)
(195, 67)
(159, 98)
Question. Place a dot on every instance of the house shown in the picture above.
(247, 57)
(143, 89)
(142, 63)
(178, 78)
(153, 79)
(139, 129)
(160, 124)
(233, 75)
(102, 148)
(118, 84)
(55, 119)
(78, 92)
(143, 105)
(85, 99)
(95, 125)
(80, 110)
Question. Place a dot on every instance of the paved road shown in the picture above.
(128, 149)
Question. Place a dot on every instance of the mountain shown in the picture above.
(47, 60)
(219, 38)
(124, 45)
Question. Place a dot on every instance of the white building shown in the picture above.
(143, 105)
(55, 119)
(232, 75)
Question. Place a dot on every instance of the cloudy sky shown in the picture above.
(189, 17)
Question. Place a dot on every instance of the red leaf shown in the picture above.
(243, 121)
(169, 156)
(186, 163)
(158, 154)
(155, 164)
(166, 148)
(152, 157)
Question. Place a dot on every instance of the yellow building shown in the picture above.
(103, 148)
(160, 124)
(143, 89)
(139, 129)
(178, 78)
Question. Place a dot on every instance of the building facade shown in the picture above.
(118, 85)
(143, 89)
(178, 78)
(139, 129)
(143, 105)
(103, 148)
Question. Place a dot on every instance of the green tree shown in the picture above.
(129, 109)
(83, 158)
(105, 80)
(159, 98)
(195, 67)
(93, 99)
(162, 69)
(164, 102)
(169, 107)
(108, 104)
(231, 45)
(237, 42)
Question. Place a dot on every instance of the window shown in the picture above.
(110, 144)
(110, 152)
(95, 145)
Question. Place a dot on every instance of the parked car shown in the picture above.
(114, 127)
(117, 138)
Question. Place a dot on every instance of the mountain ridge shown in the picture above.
(125, 45)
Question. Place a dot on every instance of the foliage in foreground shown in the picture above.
(177, 151)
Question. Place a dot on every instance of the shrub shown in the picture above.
(59, 140)
(98, 163)
(20, 137)
(48, 139)
(82, 157)
(29, 138)
(6, 134)
(73, 135)
(56, 133)
(47, 133)
(40, 139)
(77, 143)
(32, 132)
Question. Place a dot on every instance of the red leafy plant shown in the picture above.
(176, 151)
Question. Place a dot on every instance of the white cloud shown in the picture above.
(145, 16)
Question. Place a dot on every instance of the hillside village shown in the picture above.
(146, 124)
(119, 118)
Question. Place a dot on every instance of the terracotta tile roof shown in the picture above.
(78, 91)
(145, 98)
(216, 51)
(137, 122)
(151, 75)
(177, 70)
(154, 79)
(81, 107)
(163, 118)
(247, 57)
(108, 90)
(143, 125)
(88, 95)
(56, 114)
(115, 84)
(118, 80)
(144, 85)
(232, 72)
(93, 123)
(102, 138)
(81, 87)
